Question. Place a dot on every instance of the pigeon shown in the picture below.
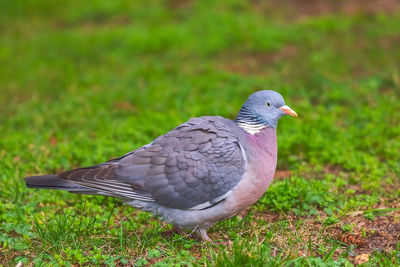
(204, 171)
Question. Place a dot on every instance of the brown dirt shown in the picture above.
(251, 63)
(179, 4)
(382, 234)
(302, 9)
(368, 236)
(96, 22)
(282, 174)
(316, 173)
(258, 63)
(125, 106)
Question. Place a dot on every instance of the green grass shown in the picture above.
(81, 83)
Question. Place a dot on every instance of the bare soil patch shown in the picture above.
(94, 22)
(302, 9)
(255, 63)
(381, 234)
(282, 174)
(179, 4)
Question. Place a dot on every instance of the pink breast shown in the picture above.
(262, 154)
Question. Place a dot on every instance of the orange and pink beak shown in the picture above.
(288, 111)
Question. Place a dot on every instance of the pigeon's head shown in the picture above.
(263, 109)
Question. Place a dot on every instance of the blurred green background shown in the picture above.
(82, 82)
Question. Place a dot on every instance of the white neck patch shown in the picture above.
(251, 128)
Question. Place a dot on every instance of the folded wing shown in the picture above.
(193, 166)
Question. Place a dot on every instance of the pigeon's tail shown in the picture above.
(53, 181)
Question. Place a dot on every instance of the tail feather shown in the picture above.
(53, 181)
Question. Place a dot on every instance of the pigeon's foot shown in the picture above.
(203, 234)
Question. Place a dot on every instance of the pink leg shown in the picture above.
(203, 234)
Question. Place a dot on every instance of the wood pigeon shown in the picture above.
(206, 170)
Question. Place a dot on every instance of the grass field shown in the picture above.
(81, 83)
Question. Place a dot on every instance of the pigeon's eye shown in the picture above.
(268, 104)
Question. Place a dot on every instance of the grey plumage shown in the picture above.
(190, 175)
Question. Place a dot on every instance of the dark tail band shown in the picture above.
(52, 181)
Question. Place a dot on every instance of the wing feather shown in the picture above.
(193, 166)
